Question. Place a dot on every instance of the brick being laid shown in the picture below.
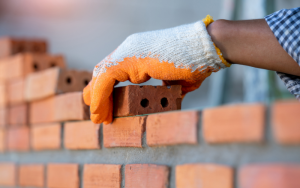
(204, 175)
(136, 100)
(286, 122)
(63, 107)
(234, 123)
(81, 135)
(31, 175)
(102, 175)
(124, 132)
(54, 81)
(146, 176)
(62, 175)
(45, 136)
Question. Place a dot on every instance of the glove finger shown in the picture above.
(87, 94)
(105, 116)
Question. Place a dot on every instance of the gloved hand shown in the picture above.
(182, 55)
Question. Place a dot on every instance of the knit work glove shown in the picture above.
(183, 55)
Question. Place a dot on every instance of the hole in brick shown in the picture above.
(52, 64)
(69, 80)
(86, 82)
(35, 66)
(141, 86)
(164, 102)
(144, 103)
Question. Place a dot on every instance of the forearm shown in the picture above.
(251, 43)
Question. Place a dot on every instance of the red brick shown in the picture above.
(234, 123)
(3, 95)
(46, 136)
(2, 139)
(26, 63)
(62, 176)
(31, 175)
(7, 174)
(18, 115)
(102, 175)
(270, 176)
(18, 138)
(81, 135)
(15, 91)
(10, 46)
(136, 100)
(172, 128)
(124, 132)
(204, 176)
(286, 122)
(54, 81)
(3, 117)
(146, 176)
(64, 107)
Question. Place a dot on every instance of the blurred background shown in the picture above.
(85, 31)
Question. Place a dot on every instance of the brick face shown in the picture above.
(146, 176)
(124, 132)
(234, 123)
(62, 176)
(102, 175)
(64, 107)
(31, 175)
(3, 117)
(285, 122)
(270, 176)
(46, 137)
(15, 91)
(204, 176)
(81, 135)
(18, 139)
(18, 115)
(2, 139)
(3, 95)
(7, 174)
(172, 128)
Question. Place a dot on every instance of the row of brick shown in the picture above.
(149, 175)
(221, 125)
(63, 107)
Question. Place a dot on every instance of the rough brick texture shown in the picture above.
(146, 176)
(10, 46)
(16, 91)
(55, 81)
(102, 175)
(124, 132)
(81, 135)
(172, 128)
(18, 115)
(286, 122)
(3, 95)
(234, 123)
(31, 175)
(135, 100)
(62, 176)
(64, 107)
(46, 136)
(204, 176)
(2, 139)
(18, 138)
(27, 63)
(7, 174)
(270, 176)
(3, 117)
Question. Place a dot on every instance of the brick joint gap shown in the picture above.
(123, 176)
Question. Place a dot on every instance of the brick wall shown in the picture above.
(52, 143)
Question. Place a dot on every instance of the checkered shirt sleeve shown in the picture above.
(285, 24)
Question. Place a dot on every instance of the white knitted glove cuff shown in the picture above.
(187, 46)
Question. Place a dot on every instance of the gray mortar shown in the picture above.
(234, 155)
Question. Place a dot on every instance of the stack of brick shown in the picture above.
(36, 88)
(160, 144)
